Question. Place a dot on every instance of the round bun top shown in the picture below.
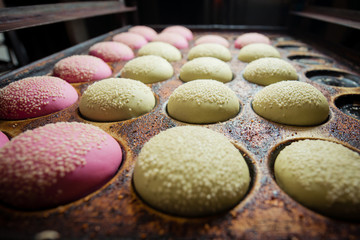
(265, 71)
(172, 38)
(248, 38)
(133, 40)
(147, 32)
(292, 103)
(35, 96)
(82, 68)
(203, 101)
(183, 31)
(255, 51)
(210, 50)
(148, 69)
(56, 164)
(195, 164)
(111, 51)
(206, 68)
(162, 49)
(322, 175)
(212, 39)
(116, 99)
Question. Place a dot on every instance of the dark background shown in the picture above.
(42, 41)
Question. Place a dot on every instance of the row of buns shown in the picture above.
(192, 163)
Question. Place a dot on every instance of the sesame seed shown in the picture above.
(37, 158)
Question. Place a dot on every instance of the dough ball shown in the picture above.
(255, 51)
(292, 103)
(203, 101)
(56, 164)
(116, 99)
(210, 50)
(162, 49)
(191, 171)
(148, 69)
(206, 68)
(265, 71)
(321, 175)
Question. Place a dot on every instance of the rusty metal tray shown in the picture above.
(116, 212)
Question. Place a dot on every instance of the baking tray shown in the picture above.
(116, 212)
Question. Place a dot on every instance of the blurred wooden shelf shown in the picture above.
(28, 16)
(347, 18)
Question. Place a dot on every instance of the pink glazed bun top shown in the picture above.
(56, 164)
(34, 97)
(133, 40)
(183, 31)
(248, 38)
(82, 68)
(147, 32)
(3, 139)
(111, 51)
(212, 39)
(174, 39)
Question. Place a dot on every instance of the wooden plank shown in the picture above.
(29, 16)
(336, 12)
(351, 23)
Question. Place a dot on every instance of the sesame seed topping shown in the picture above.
(27, 97)
(315, 164)
(37, 158)
(202, 91)
(116, 99)
(194, 164)
(269, 70)
(206, 68)
(81, 68)
(148, 69)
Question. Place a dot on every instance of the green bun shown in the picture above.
(162, 49)
(265, 71)
(210, 50)
(203, 101)
(116, 99)
(191, 171)
(206, 68)
(291, 103)
(255, 51)
(148, 69)
(321, 175)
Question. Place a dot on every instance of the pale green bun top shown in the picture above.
(162, 49)
(255, 51)
(210, 50)
(203, 101)
(116, 99)
(292, 103)
(206, 68)
(265, 71)
(148, 69)
(321, 175)
(191, 171)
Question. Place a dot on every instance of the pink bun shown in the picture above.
(133, 40)
(248, 38)
(56, 164)
(34, 97)
(212, 39)
(82, 68)
(174, 39)
(148, 33)
(112, 51)
(3, 139)
(185, 32)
